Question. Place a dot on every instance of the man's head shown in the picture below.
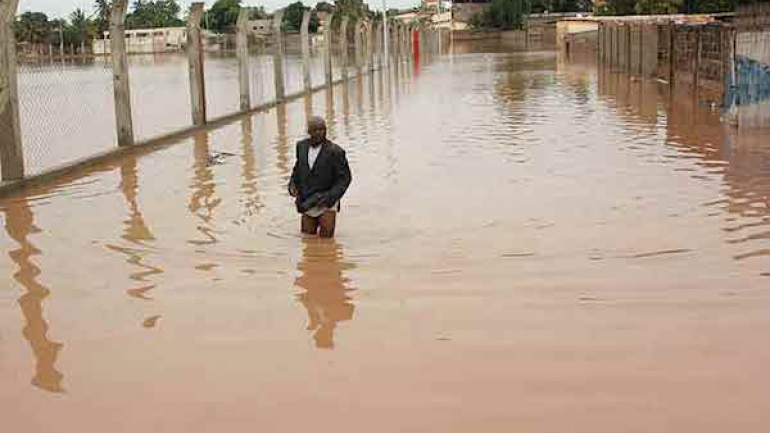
(316, 129)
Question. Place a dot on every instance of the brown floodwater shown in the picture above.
(527, 246)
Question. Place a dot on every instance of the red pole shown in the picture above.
(416, 50)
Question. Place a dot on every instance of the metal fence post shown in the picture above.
(280, 87)
(328, 59)
(121, 86)
(242, 48)
(195, 59)
(344, 46)
(305, 44)
(11, 152)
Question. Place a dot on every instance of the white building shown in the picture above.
(158, 40)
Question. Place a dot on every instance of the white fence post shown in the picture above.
(120, 81)
(242, 48)
(328, 59)
(11, 153)
(305, 44)
(195, 59)
(344, 47)
(280, 87)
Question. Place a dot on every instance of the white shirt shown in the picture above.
(312, 155)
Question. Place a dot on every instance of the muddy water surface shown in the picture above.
(527, 246)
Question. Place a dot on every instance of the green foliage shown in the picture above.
(102, 21)
(555, 6)
(35, 28)
(81, 29)
(508, 14)
(323, 6)
(354, 9)
(222, 16)
(292, 18)
(658, 7)
(714, 6)
(617, 7)
(32, 27)
(153, 14)
(257, 12)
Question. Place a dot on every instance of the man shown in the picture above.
(320, 178)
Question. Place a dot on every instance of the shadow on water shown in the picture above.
(20, 225)
(204, 199)
(252, 202)
(138, 234)
(696, 132)
(326, 295)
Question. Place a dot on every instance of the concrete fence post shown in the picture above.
(671, 53)
(195, 61)
(409, 43)
(11, 153)
(372, 33)
(600, 44)
(357, 45)
(343, 35)
(697, 60)
(328, 53)
(120, 80)
(242, 48)
(305, 45)
(280, 87)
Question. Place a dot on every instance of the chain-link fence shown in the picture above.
(68, 105)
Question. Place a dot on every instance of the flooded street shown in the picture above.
(527, 246)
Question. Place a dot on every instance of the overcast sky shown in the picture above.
(58, 8)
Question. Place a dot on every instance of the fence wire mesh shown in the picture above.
(66, 111)
(67, 104)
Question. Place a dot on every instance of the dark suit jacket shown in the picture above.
(330, 176)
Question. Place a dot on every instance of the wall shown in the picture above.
(748, 98)
(694, 57)
(751, 92)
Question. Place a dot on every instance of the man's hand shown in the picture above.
(293, 190)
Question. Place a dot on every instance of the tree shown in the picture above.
(617, 7)
(257, 12)
(658, 7)
(508, 14)
(103, 10)
(153, 14)
(323, 6)
(222, 16)
(354, 9)
(33, 27)
(81, 29)
(714, 6)
(292, 18)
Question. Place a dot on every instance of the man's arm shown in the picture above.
(344, 178)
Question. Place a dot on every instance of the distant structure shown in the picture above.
(139, 41)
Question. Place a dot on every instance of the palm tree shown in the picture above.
(103, 10)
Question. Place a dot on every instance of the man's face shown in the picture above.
(317, 132)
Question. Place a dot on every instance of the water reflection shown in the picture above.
(137, 233)
(20, 224)
(331, 122)
(252, 202)
(346, 106)
(696, 132)
(326, 295)
(204, 199)
(282, 143)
